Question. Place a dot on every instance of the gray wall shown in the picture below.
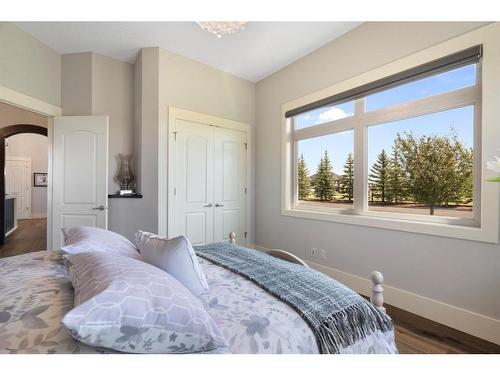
(76, 87)
(98, 85)
(112, 95)
(167, 79)
(458, 272)
(28, 66)
(36, 147)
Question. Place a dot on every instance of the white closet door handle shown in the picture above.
(219, 205)
(208, 205)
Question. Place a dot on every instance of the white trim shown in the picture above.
(50, 160)
(488, 137)
(21, 100)
(475, 324)
(166, 156)
(461, 319)
(11, 231)
(38, 216)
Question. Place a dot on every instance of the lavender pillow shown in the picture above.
(175, 256)
(131, 306)
(85, 239)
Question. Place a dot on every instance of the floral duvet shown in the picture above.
(35, 294)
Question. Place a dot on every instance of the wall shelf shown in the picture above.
(124, 196)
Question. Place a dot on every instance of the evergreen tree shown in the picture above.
(396, 181)
(304, 181)
(379, 175)
(348, 178)
(324, 181)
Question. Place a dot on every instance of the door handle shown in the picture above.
(219, 205)
(100, 208)
(208, 205)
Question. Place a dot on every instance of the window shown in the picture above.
(325, 171)
(324, 114)
(437, 84)
(405, 147)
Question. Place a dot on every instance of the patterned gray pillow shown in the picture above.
(131, 306)
(84, 239)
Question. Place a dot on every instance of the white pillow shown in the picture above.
(175, 256)
(89, 239)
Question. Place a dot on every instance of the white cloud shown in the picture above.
(331, 115)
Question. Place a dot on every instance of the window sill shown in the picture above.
(385, 221)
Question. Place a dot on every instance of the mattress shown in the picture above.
(35, 294)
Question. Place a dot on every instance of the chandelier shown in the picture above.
(221, 28)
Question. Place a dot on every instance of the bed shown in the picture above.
(35, 294)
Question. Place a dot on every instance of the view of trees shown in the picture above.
(431, 170)
(304, 181)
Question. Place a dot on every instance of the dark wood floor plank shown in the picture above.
(30, 235)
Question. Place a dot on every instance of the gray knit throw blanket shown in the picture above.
(338, 316)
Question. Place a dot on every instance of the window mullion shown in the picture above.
(360, 186)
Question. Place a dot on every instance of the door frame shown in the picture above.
(20, 100)
(166, 158)
(28, 161)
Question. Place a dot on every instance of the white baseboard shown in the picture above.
(475, 324)
(39, 216)
(10, 231)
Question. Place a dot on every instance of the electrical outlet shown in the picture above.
(322, 254)
(313, 252)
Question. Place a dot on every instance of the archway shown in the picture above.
(6, 132)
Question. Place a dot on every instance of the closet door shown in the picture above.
(230, 185)
(194, 181)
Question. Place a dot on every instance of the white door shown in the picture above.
(209, 178)
(230, 177)
(18, 183)
(194, 181)
(80, 173)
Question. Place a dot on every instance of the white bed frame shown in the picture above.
(377, 297)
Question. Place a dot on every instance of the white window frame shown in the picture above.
(484, 225)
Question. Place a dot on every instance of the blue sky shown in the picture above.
(382, 136)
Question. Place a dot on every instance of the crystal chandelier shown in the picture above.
(221, 28)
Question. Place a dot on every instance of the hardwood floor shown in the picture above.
(417, 335)
(31, 235)
(414, 334)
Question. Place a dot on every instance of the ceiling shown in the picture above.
(254, 53)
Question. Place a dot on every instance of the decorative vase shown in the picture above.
(125, 175)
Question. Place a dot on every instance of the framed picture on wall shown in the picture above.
(40, 179)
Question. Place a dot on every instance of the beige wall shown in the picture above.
(76, 88)
(112, 95)
(28, 66)
(35, 147)
(166, 79)
(457, 272)
(98, 85)
(10, 115)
